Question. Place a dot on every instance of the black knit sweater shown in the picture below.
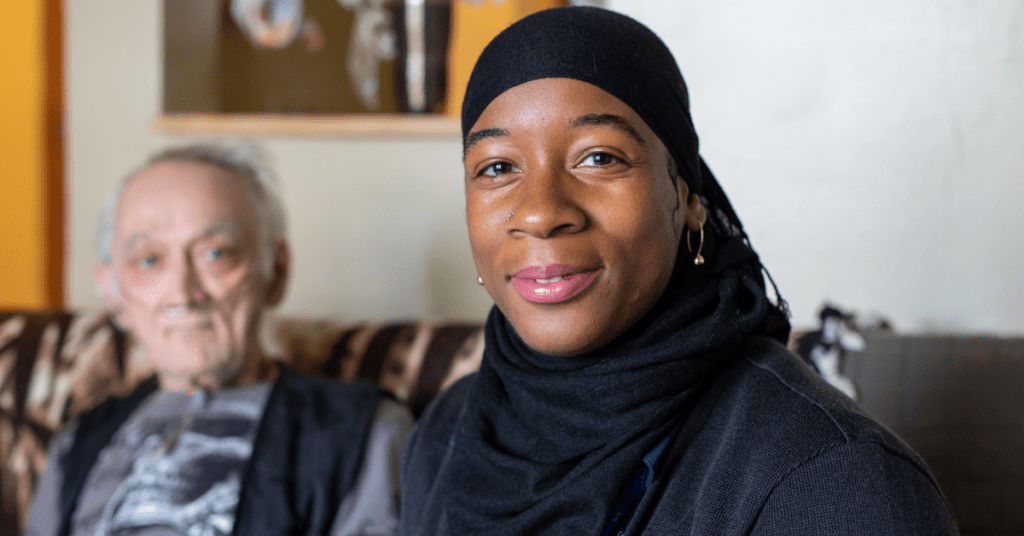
(768, 449)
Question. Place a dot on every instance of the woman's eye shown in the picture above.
(600, 160)
(499, 168)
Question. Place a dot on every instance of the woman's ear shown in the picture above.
(278, 277)
(690, 212)
(696, 214)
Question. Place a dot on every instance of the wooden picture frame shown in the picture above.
(372, 68)
(394, 68)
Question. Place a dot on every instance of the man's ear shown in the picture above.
(108, 288)
(105, 283)
(279, 271)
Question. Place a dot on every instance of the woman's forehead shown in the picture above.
(576, 103)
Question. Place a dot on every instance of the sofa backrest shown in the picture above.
(958, 400)
(54, 366)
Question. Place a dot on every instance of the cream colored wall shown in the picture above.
(377, 227)
(873, 149)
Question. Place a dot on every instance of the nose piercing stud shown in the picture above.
(510, 216)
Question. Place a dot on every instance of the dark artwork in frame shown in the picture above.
(305, 57)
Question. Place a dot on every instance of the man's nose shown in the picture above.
(186, 285)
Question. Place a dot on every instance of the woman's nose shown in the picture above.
(547, 205)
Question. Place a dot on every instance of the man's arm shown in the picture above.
(371, 507)
(44, 517)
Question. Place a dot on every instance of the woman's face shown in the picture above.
(573, 219)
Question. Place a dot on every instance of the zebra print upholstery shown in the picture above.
(55, 365)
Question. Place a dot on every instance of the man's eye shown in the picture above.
(499, 168)
(218, 254)
(146, 261)
(600, 160)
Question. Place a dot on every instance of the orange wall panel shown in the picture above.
(31, 196)
(474, 24)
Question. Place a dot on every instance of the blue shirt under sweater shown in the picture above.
(769, 449)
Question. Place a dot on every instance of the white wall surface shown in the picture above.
(874, 149)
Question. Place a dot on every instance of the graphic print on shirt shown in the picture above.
(191, 489)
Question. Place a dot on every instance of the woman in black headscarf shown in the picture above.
(634, 377)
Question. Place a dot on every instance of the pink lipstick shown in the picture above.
(553, 283)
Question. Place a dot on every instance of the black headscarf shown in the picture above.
(545, 444)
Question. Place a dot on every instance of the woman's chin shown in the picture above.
(563, 342)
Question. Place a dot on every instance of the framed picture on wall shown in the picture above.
(374, 67)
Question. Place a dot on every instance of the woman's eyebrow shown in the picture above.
(475, 137)
(612, 120)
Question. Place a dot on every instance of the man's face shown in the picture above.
(187, 271)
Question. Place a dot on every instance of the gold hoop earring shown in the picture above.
(698, 259)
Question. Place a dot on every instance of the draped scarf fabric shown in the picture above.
(545, 443)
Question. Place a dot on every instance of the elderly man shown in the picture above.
(224, 440)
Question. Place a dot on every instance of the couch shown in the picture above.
(54, 366)
(957, 400)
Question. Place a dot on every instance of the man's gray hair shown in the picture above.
(246, 162)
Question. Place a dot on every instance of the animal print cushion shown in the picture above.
(54, 366)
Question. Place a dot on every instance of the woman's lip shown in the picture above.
(542, 290)
(545, 272)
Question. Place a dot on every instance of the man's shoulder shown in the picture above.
(295, 378)
(298, 387)
(307, 415)
(319, 410)
(90, 431)
(116, 404)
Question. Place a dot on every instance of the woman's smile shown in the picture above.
(553, 283)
